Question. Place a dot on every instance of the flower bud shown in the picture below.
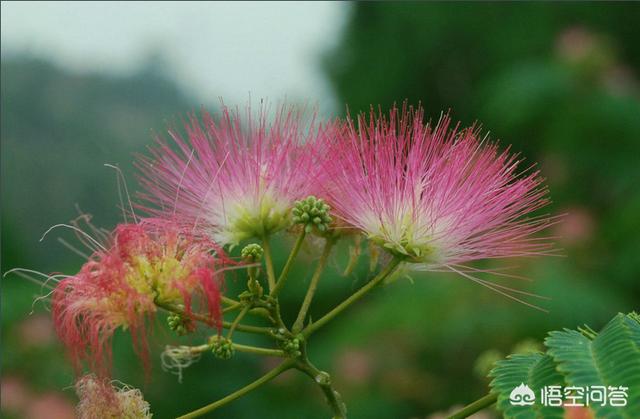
(222, 347)
(252, 253)
(180, 324)
(312, 212)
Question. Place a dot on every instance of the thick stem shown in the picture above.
(313, 285)
(285, 271)
(476, 406)
(353, 298)
(323, 380)
(239, 393)
(268, 260)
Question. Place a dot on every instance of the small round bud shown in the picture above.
(312, 212)
(252, 252)
(180, 324)
(222, 347)
(292, 345)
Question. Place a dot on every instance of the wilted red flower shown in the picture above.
(145, 263)
(100, 399)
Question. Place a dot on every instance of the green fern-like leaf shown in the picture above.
(535, 370)
(612, 358)
(633, 323)
(576, 358)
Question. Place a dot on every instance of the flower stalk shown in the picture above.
(237, 320)
(268, 260)
(285, 271)
(313, 284)
(388, 270)
(475, 407)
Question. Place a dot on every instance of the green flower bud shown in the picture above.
(180, 324)
(292, 345)
(222, 347)
(252, 252)
(312, 213)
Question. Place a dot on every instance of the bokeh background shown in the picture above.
(85, 84)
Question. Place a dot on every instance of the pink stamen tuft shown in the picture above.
(434, 196)
(233, 177)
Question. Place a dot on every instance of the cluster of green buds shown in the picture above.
(180, 324)
(292, 346)
(312, 212)
(252, 253)
(221, 347)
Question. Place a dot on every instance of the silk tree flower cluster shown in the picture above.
(233, 179)
(144, 265)
(437, 196)
(430, 198)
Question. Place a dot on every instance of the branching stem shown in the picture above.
(323, 380)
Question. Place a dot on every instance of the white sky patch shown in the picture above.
(229, 49)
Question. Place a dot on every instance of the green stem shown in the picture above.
(228, 301)
(353, 298)
(268, 260)
(476, 406)
(204, 319)
(313, 285)
(231, 308)
(259, 351)
(324, 382)
(237, 320)
(285, 271)
(239, 393)
(250, 329)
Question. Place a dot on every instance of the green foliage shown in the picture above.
(573, 358)
(537, 371)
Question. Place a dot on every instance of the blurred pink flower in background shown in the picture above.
(577, 226)
(37, 331)
(20, 401)
(50, 406)
(355, 366)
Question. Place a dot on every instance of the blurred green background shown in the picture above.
(559, 82)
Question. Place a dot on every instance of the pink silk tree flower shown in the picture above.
(144, 263)
(233, 177)
(434, 197)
